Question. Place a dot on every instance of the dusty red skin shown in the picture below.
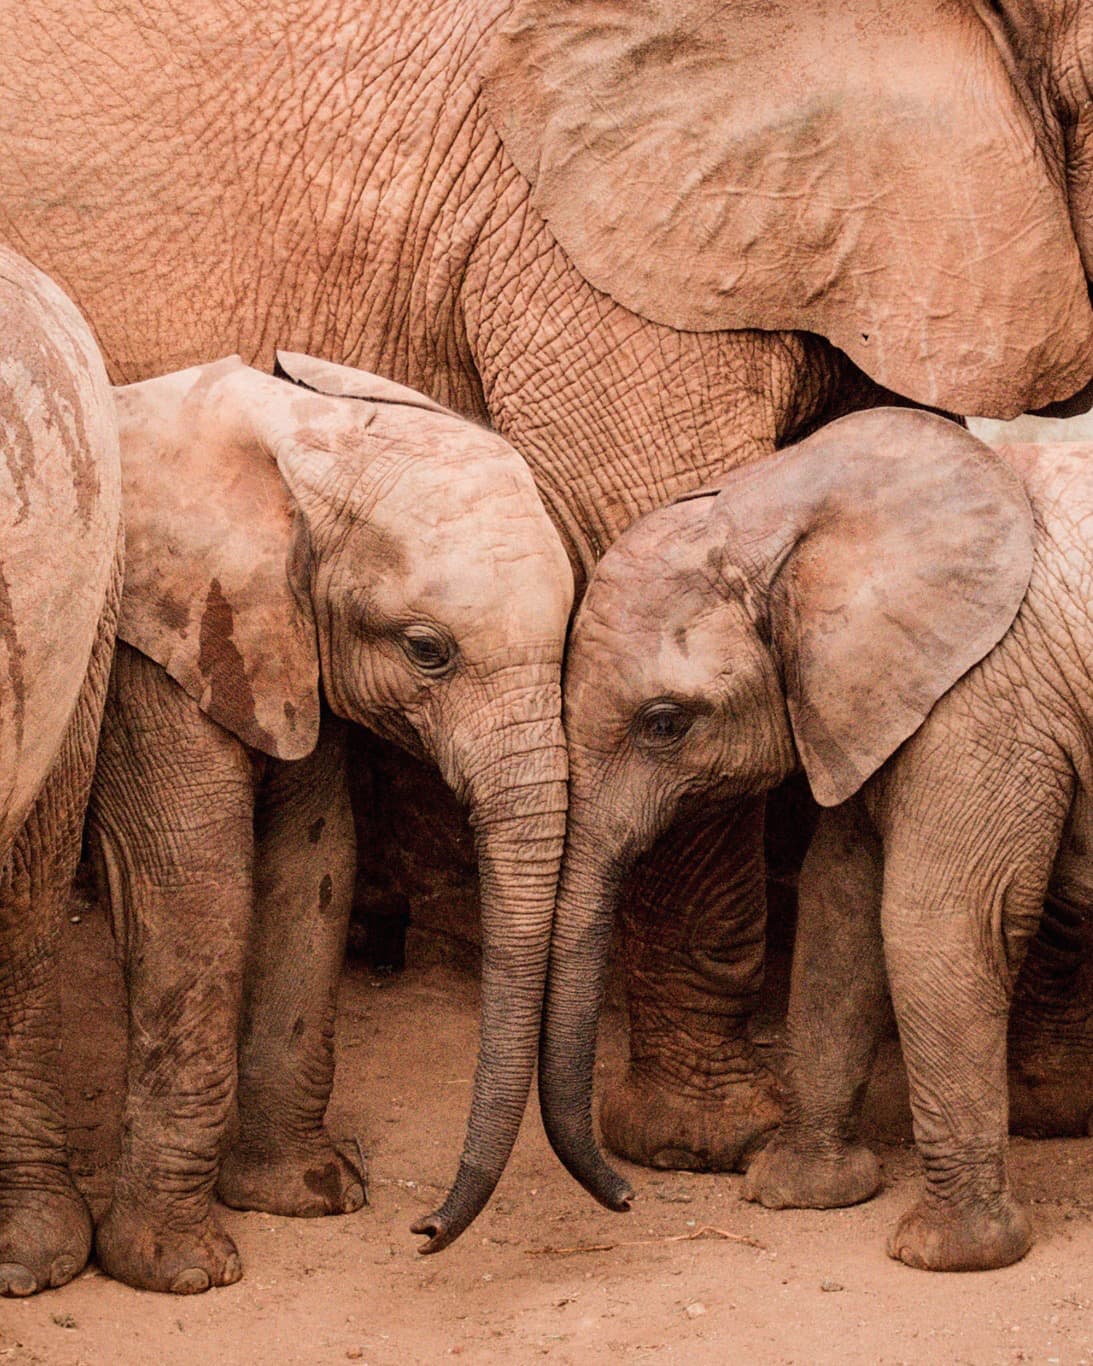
(59, 587)
(335, 178)
(302, 551)
(900, 611)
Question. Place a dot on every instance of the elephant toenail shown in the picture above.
(63, 1269)
(353, 1199)
(233, 1269)
(192, 1281)
(16, 1280)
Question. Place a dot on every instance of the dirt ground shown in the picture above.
(692, 1275)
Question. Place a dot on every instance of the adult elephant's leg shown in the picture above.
(45, 1226)
(694, 1095)
(837, 1011)
(282, 1160)
(172, 828)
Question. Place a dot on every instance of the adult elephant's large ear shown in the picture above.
(215, 578)
(864, 169)
(896, 550)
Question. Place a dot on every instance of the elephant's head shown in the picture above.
(329, 525)
(912, 179)
(812, 611)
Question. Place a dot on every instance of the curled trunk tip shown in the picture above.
(470, 1191)
(575, 1145)
(519, 837)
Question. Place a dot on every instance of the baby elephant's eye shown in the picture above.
(663, 723)
(427, 648)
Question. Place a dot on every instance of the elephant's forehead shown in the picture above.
(636, 648)
(482, 505)
(503, 578)
(638, 600)
(509, 593)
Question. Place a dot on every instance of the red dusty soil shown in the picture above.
(692, 1275)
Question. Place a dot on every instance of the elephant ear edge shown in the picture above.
(860, 170)
(907, 547)
(215, 577)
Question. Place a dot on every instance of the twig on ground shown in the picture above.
(705, 1231)
(363, 1168)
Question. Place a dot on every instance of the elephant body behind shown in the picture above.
(60, 565)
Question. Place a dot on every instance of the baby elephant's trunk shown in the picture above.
(578, 960)
(518, 806)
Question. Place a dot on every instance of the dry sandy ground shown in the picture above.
(693, 1275)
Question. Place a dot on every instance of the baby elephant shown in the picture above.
(302, 554)
(907, 615)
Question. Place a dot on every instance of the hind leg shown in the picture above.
(964, 887)
(1051, 1023)
(45, 1226)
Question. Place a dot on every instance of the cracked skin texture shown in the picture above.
(59, 588)
(329, 178)
(318, 533)
(924, 639)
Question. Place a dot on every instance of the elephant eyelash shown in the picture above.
(428, 649)
(662, 724)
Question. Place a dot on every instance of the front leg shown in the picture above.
(965, 879)
(171, 823)
(282, 1160)
(694, 1096)
(838, 1007)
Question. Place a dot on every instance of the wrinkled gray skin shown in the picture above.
(59, 585)
(276, 537)
(336, 179)
(879, 606)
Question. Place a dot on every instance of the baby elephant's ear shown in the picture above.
(901, 549)
(215, 579)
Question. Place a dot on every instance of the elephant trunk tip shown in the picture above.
(466, 1199)
(605, 1184)
(439, 1233)
(585, 1163)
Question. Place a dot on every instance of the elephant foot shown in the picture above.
(933, 1237)
(145, 1250)
(45, 1238)
(304, 1182)
(783, 1176)
(644, 1122)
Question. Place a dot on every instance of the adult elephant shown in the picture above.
(60, 582)
(569, 219)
